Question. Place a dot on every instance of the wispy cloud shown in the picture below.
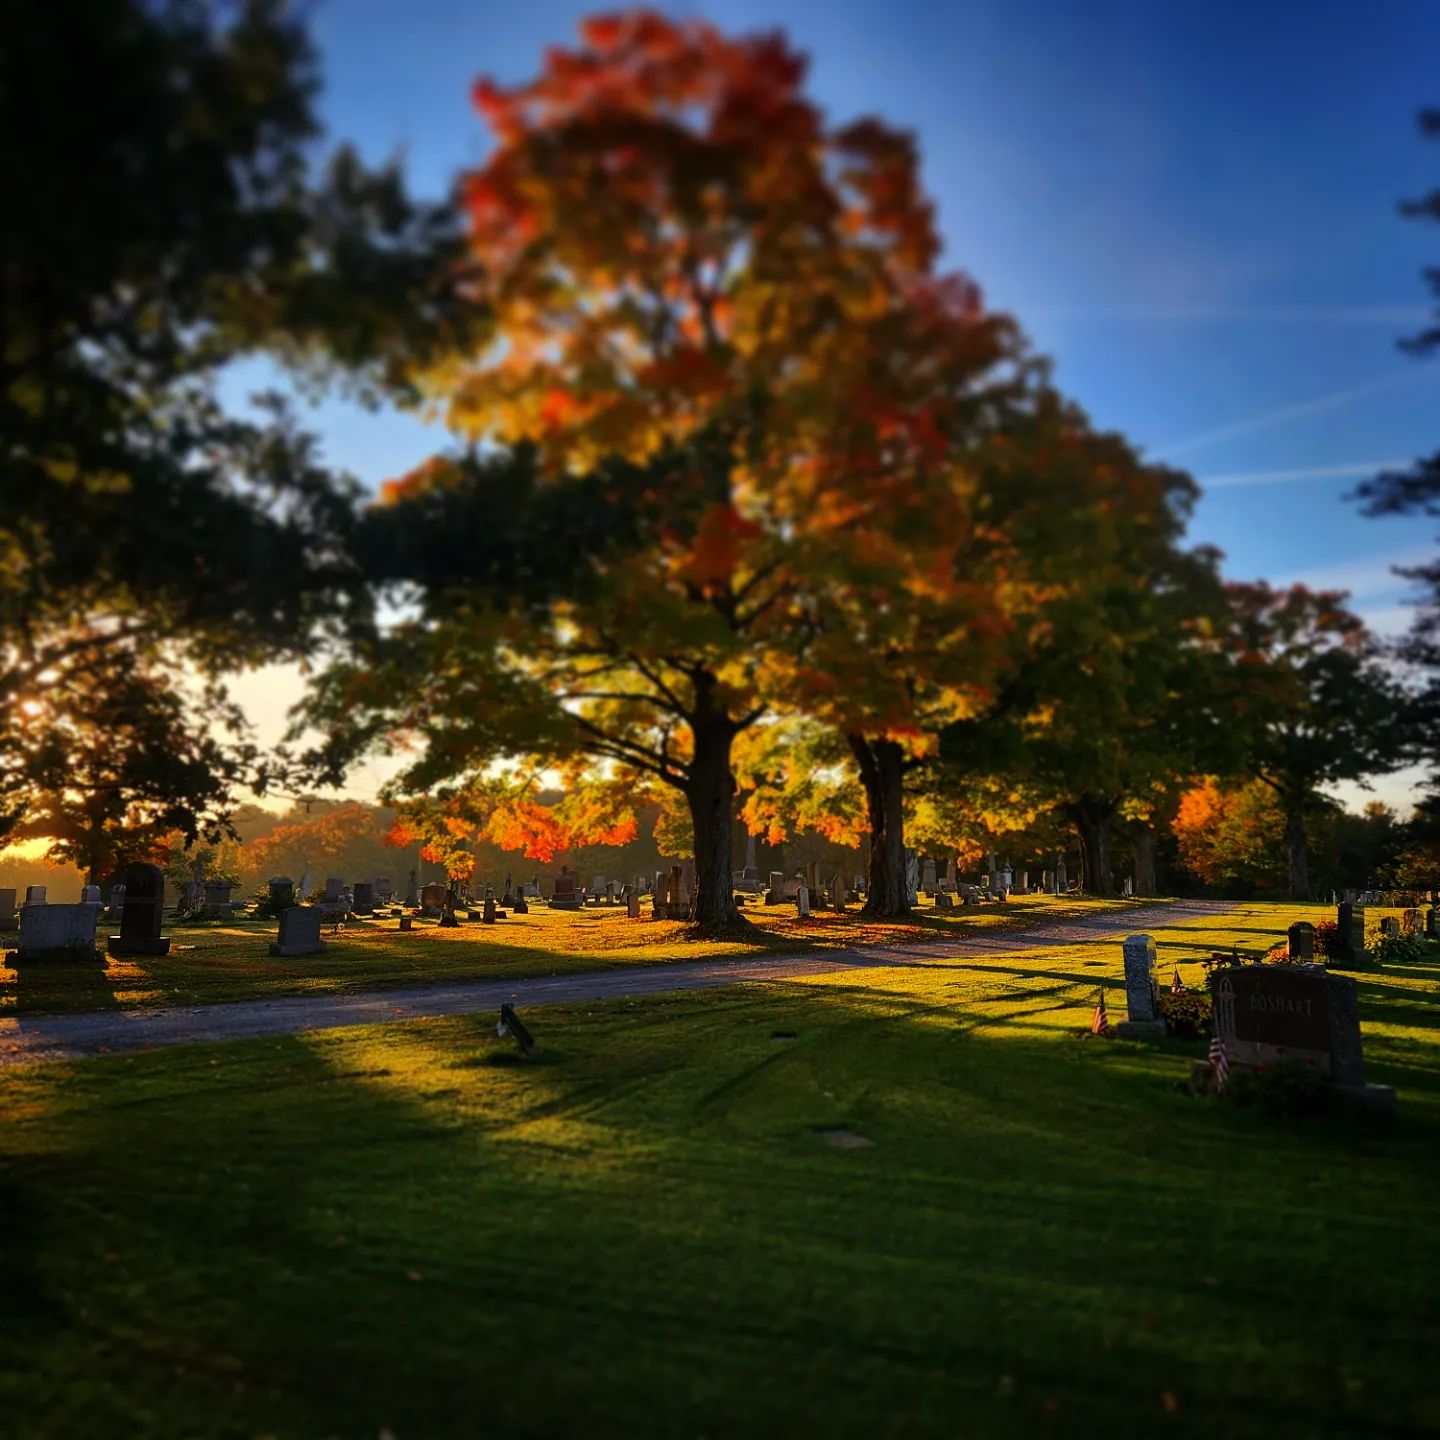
(1397, 315)
(1357, 470)
(1293, 412)
(1369, 578)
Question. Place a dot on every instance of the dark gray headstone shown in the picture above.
(363, 900)
(144, 912)
(1302, 940)
(299, 932)
(1267, 1014)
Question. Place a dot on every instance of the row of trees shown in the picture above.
(752, 506)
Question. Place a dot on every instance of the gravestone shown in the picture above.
(674, 897)
(612, 892)
(1141, 1001)
(1389, 925)
(1062, 881)
(912, 877)
(1024, 886)
(1047, 883)
(520, 906)
(776, 893)
(363, 899)
(432, 899)
(632, 904)
(950, 875)
(334, 888)
(1351, 920)
(1301, 939)
(281, 892)
(9, 920)
(299, 932)
(383, 889)
(927, 876)
(116, 907)
(1127, 889)
(144, 912)
(488, 914)
(1432, 923)
(448, 918)
(412, 895)
(58, 932)
(802, 902)
(837, 891)
(1275, 1014)
(407, 922)
(659, 909)
(566, 895)
(507, 895)
(89, 894)
(34, 894)
(218, 903)
(944, 901)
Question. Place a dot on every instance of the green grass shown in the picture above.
(217, 962)
(642, 1231)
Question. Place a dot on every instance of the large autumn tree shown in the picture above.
(1313, 699)
(166, 217)
(706, 292)
(1101, 701)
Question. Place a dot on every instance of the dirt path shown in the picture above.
(28, 1040)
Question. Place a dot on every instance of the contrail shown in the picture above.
(1359, 470)
(1291, 412)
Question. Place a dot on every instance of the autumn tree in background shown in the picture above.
(112, 765)
(1313, 701)
(1101, 708)
(699, 287)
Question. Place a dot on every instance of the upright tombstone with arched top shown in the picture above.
(143, 915)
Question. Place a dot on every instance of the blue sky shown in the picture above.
(1190, 207)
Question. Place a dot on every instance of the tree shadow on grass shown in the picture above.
(378, 1230)
(46, 986)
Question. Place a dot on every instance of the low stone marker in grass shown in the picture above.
(1301, 940)
(299, 932)
(1270, 1015)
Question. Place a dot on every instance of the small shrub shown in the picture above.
(1187, 1013)
(1396, 950)
(1327, 940)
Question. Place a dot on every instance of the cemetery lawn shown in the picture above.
(644, 1230)
(231, 961)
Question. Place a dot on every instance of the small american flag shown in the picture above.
(1100, 1024)
(1219, 1062)
(1177, 986)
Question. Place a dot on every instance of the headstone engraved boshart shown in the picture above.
(1267, 1015)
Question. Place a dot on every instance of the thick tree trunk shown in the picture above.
(710, 791)
(882, 772)
(1298, 851)
(1091, 819)
(1142, 853)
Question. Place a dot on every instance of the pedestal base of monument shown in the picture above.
(1368, 1101)
(1141, 1029)
(310, 947)
(60, 955)
(118, 945)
